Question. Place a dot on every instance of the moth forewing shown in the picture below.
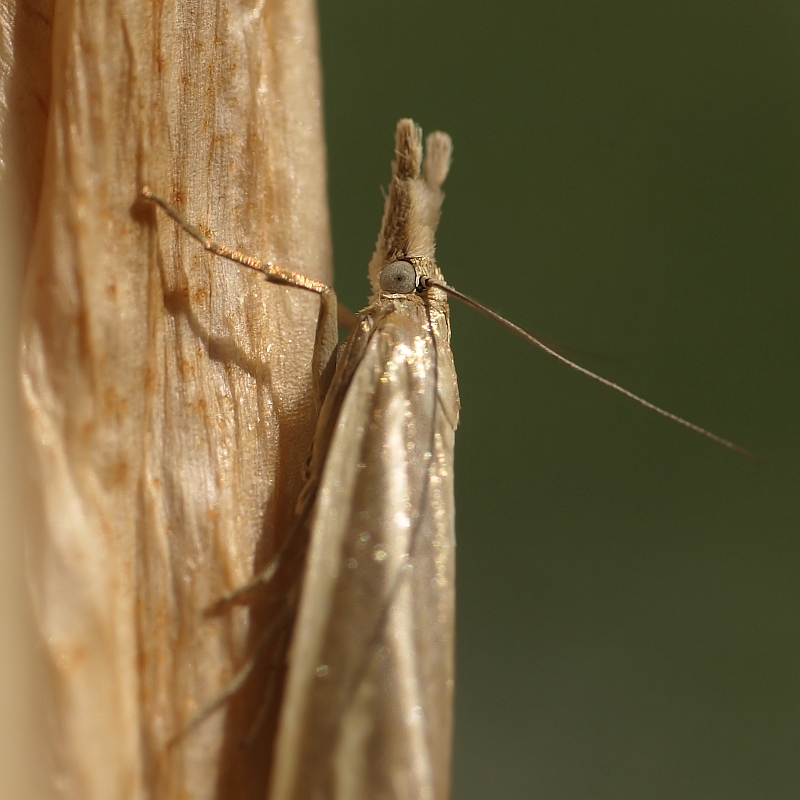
(367, 707)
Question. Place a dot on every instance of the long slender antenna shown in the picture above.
(326, 335)
(594, 376)
(273, 272)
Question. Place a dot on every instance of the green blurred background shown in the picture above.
(625, 181)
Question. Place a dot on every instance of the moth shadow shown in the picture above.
(251, 714)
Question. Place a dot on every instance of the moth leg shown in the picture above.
(269, 693)
(235, 596)
(346, 318)
(238, 680)
(293, 548)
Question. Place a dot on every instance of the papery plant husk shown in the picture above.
(168, 395)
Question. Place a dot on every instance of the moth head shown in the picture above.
(413, 204)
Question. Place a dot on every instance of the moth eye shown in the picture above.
(399, 277)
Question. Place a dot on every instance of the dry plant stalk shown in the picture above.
(169, 394)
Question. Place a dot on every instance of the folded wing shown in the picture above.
(367, 710)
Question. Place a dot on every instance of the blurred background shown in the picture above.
(625, 181)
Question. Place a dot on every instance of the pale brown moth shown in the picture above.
(367, 709)
(367, 703)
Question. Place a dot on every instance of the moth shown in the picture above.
(367, 708)
(368, 697)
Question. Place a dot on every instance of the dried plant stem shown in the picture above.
(169, 395)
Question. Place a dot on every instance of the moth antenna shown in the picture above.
(589, 374)
(270, 269)
(326, 335)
